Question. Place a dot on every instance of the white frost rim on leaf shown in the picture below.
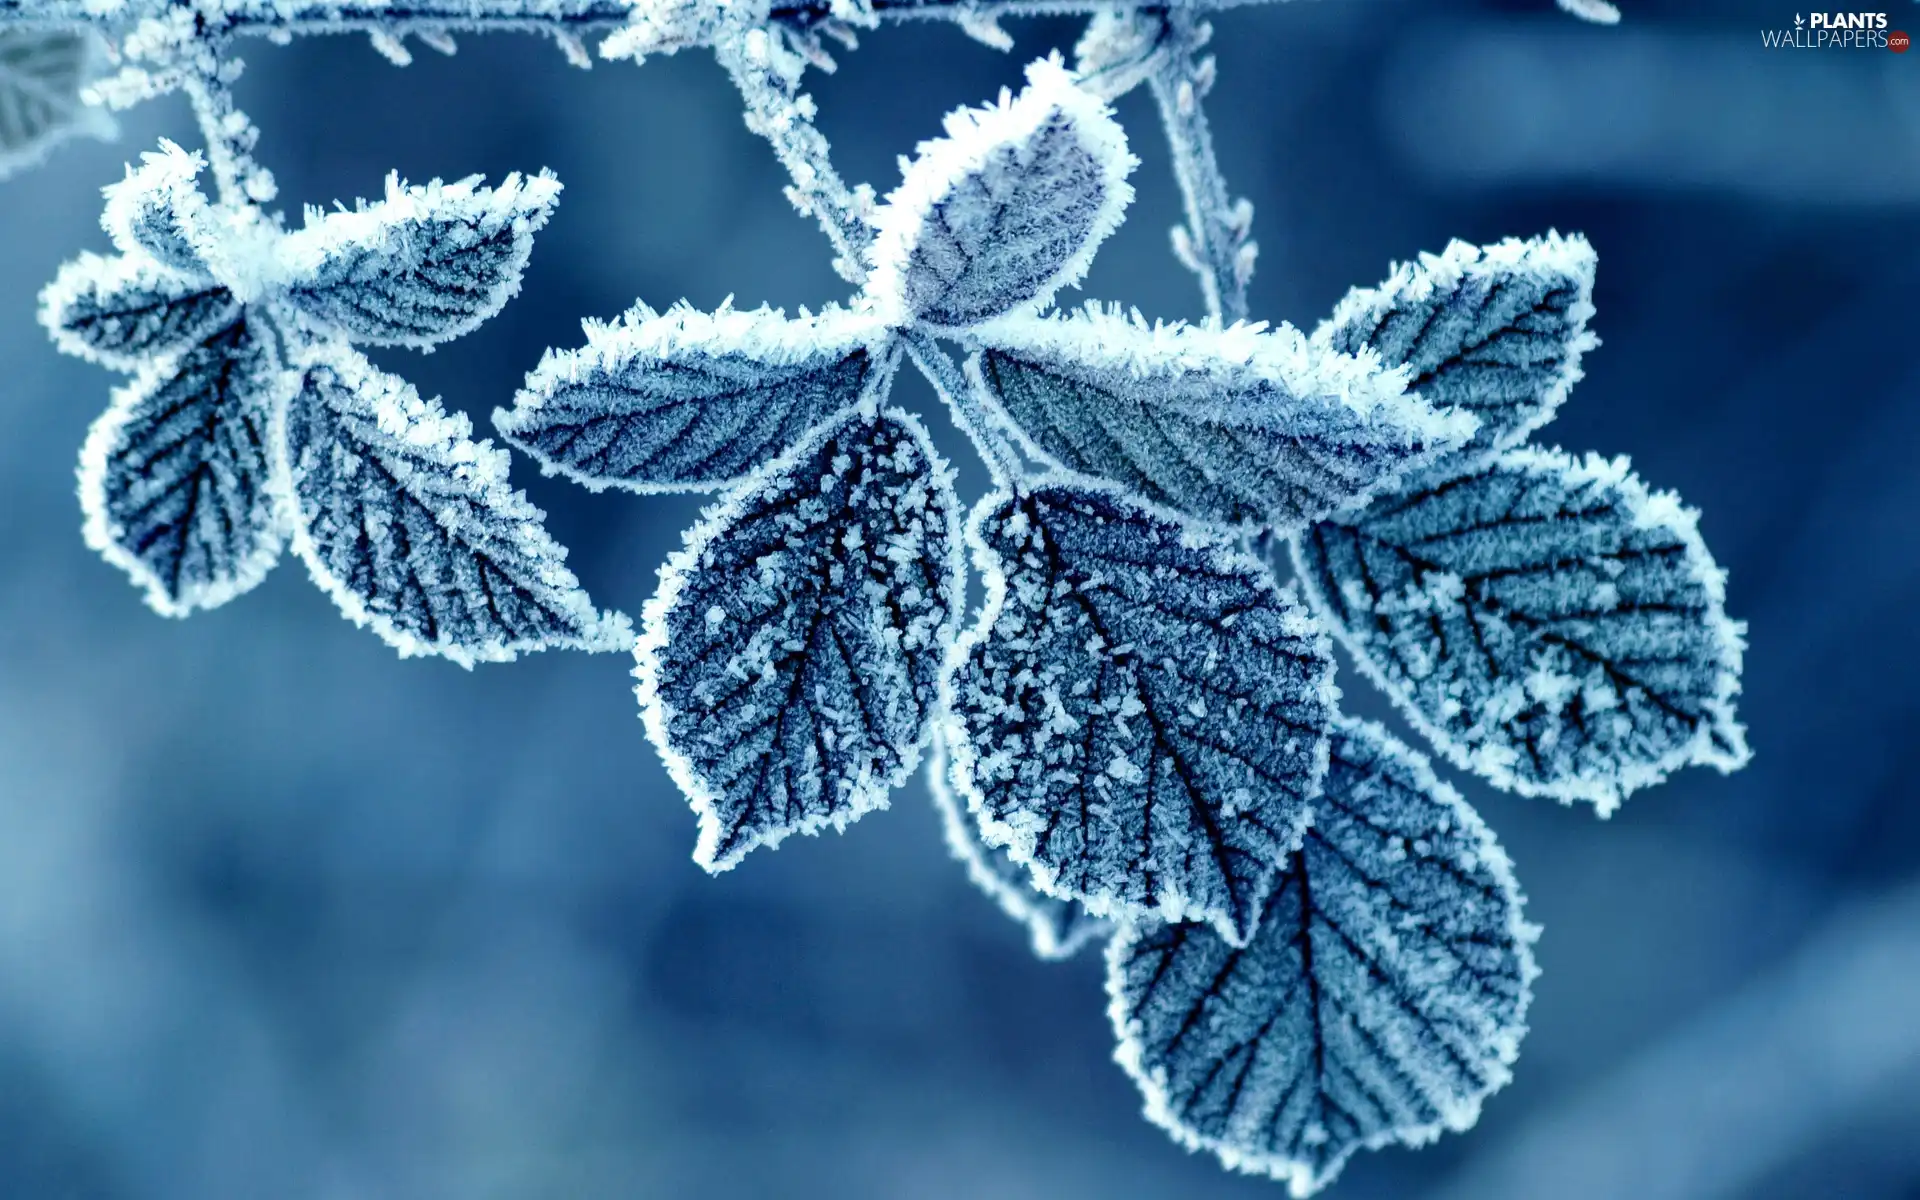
(1106, 337)
(1013, 900)
(868, 794)
(1409, 283)
(104, 275)
(167, 175)
(102, 535)
(973, 135)
(641, 336)
(520, 203)
(1298, 1176)
(427, 425)
(1299, 621)
(1651, 510)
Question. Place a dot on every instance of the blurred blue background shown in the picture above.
(284, 916)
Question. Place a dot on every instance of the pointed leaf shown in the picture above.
(413, 529)
(1005, 210)
(123, 312)
(790, 659)
(1140, 716)
(158, 211)
(174, 477)
(42, 72)
(688, 401)
(1496, 331)
(422, 266)
(1057, 928)
(1240, 426)
(1549, 623)
(1382, 998)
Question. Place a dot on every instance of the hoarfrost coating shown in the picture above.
(1314, 946)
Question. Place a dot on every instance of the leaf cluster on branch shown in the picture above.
(1314, 945)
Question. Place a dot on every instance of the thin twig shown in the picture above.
(229, 134)
(767, 75)
(968, 413)
(1213, 243)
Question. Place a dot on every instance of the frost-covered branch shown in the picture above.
(230, 135)
(767, 73)
(987, 434)
(1213, 244)
(530, 16)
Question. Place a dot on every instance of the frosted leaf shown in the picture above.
(158, 211)
(413, 529)
(1548, 622)
(790, 659)
(174, 476)
(1056, 928)
(422, 266)
(690, 401)
(1380, 1001)
(123, 311)
(1241, 426)
(1139, 717)
(42, 73)
(1005, 210)
(1497, 332)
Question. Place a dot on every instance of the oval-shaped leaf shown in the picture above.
(1141, 716)
(1548, 622)
(174, 477)
(422, 266)
(124, 312)
(158, 211)
(1495, 331)
(1056, 928)
(688, 401)
(1240, 426)
(1382, 998)
(1005, 210)
(42, 73)
(789, 661)
(413, 529)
